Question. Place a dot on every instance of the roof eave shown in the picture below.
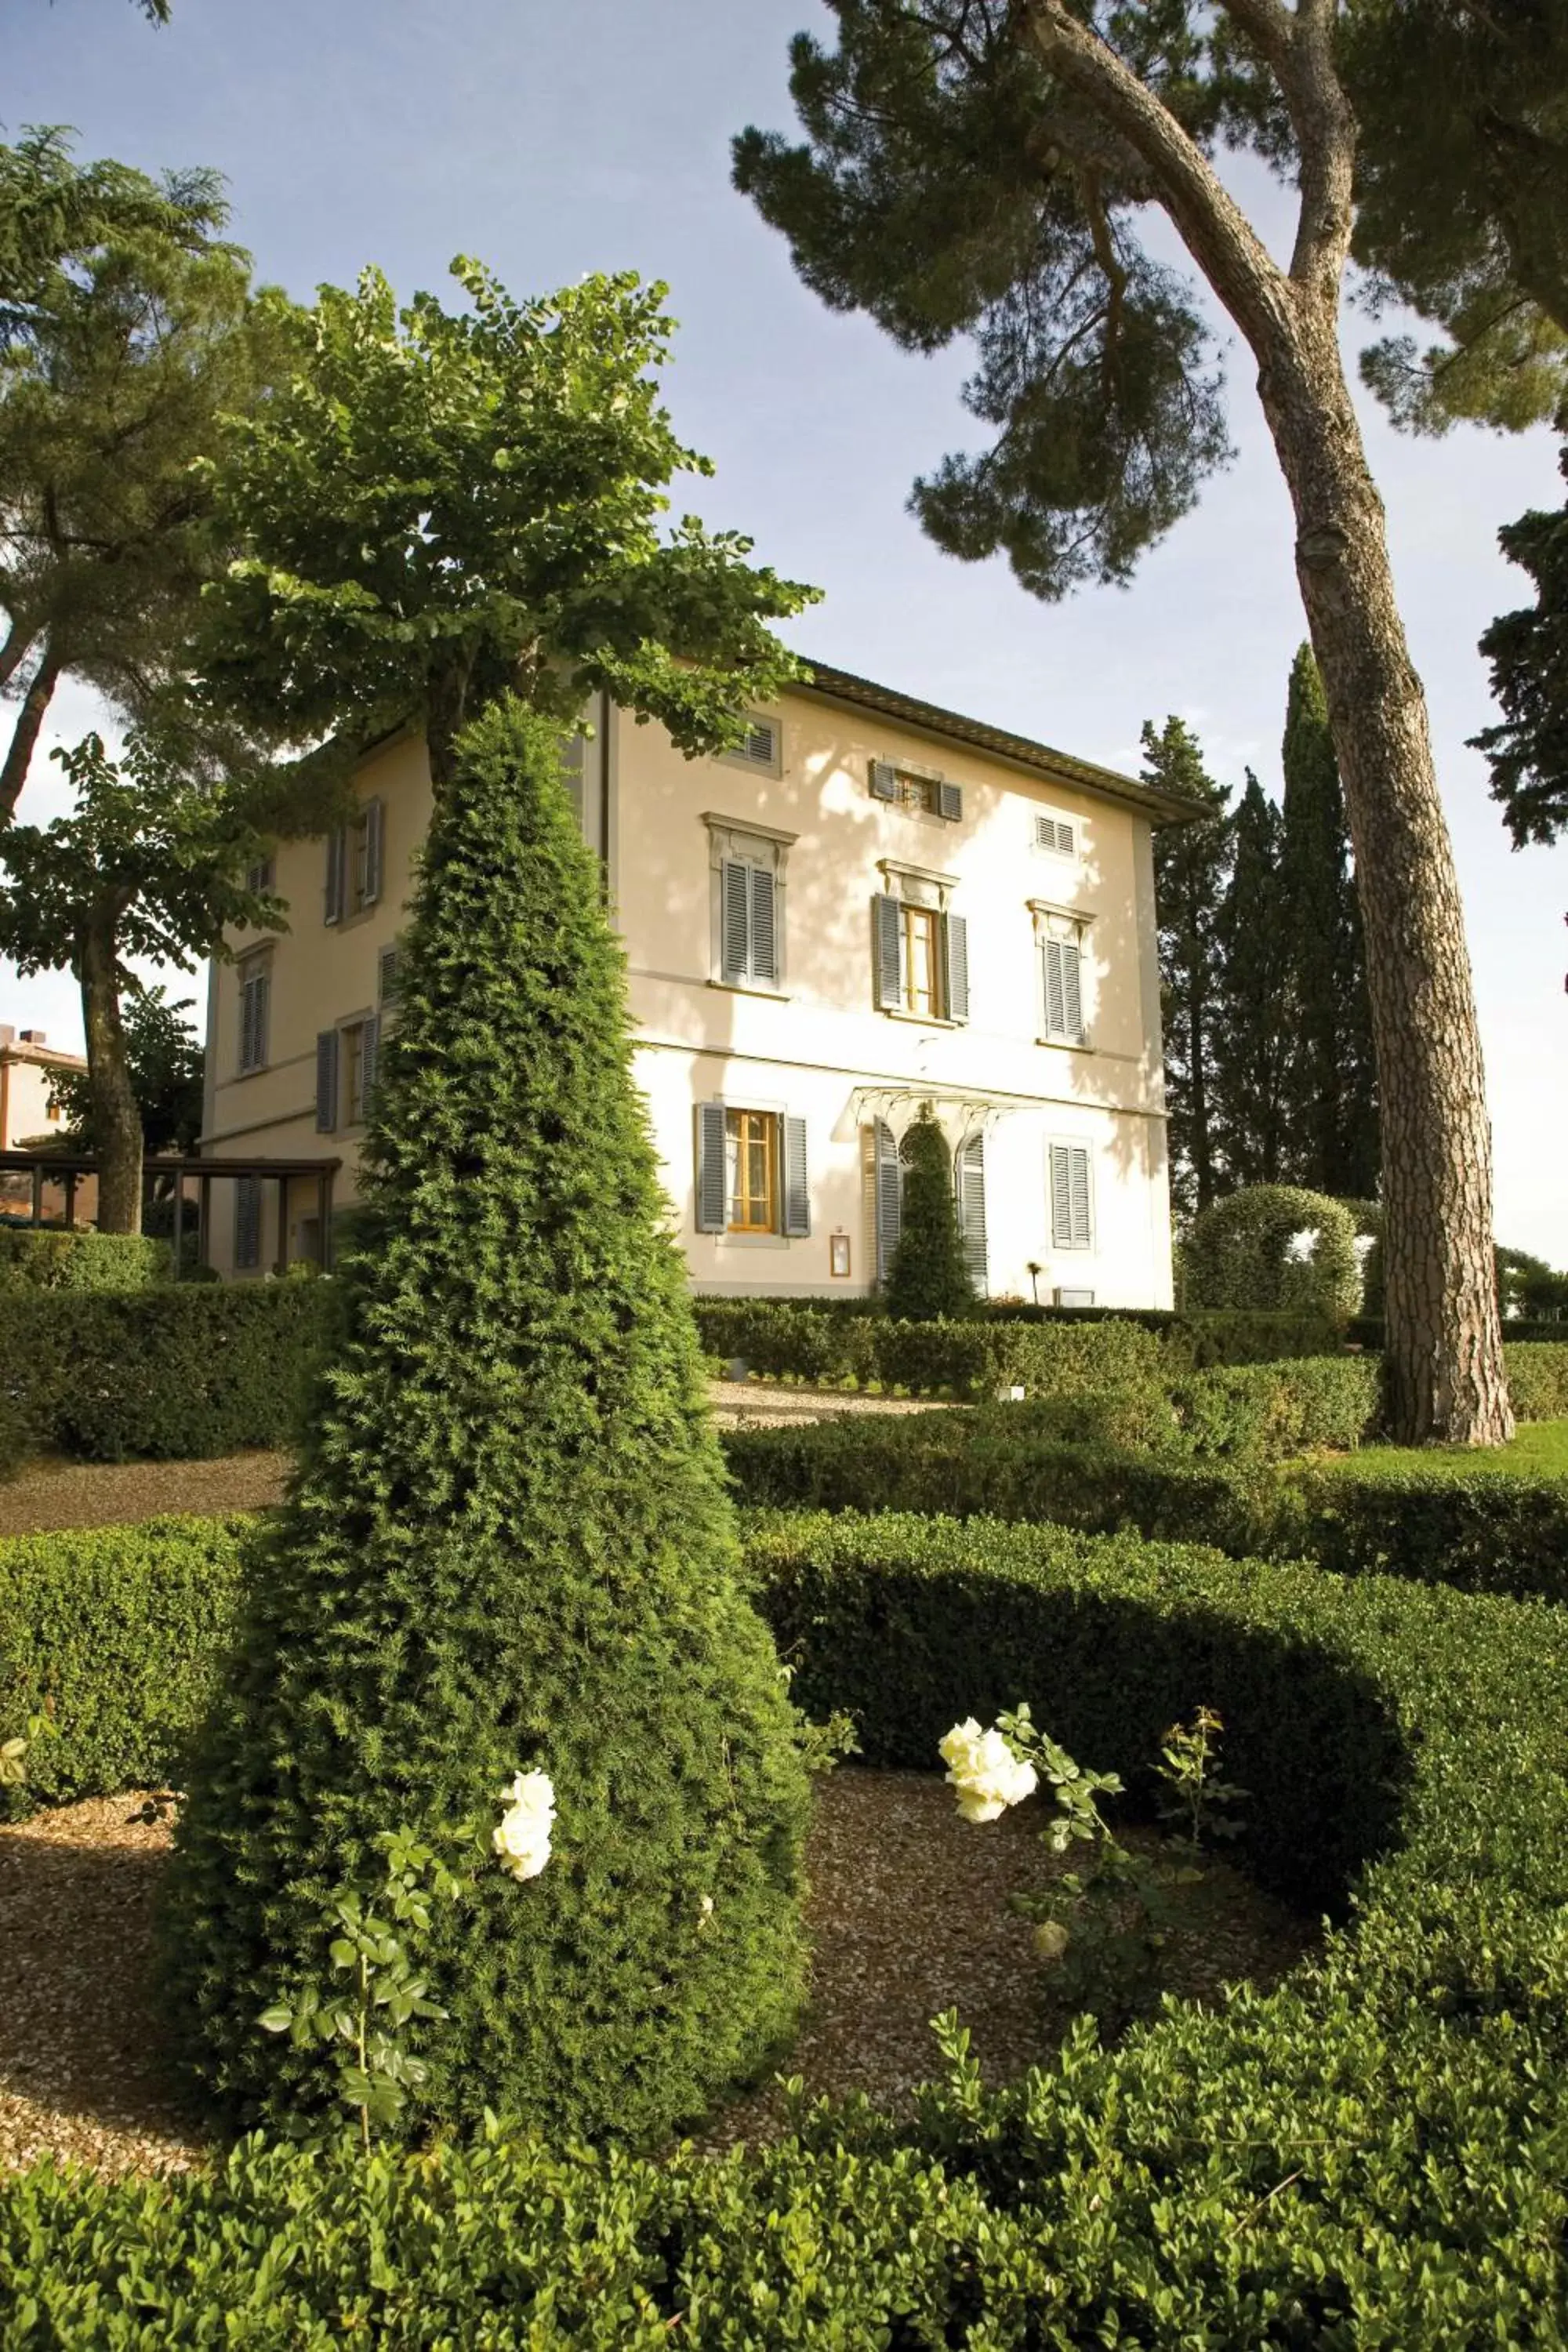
(1041, 761)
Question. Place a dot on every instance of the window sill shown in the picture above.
(754, 1241)
(256, 1070)
(1067, 1045)
(751, 988)
(920, 1020)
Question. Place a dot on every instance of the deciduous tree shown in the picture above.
(1528, 650)
(984, 168)
(153, 862)
(165, 1062)
(441, 507)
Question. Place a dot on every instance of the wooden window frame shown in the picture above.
(926, 919)
(743, 1129)
(252, 970)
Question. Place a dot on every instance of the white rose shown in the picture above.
(522, 1837)
(984, 1769)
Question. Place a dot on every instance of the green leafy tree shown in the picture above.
(151, 862)
(1528, 651)
(127, 330)
(987, 169)
(1192, 870)
(1330, 1112)
(440, 508)
(1529, 1286)
(164, 1060)
(1251, 1029)
(509, 1550)
(927, 1275)
(1463, 210)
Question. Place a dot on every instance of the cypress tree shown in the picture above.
(508, 1549)
(927, 1276)
(1332, 1080)
(1252, 1032)
(1191, 867)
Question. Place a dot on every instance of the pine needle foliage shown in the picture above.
(509, 1547)
(927, 1276)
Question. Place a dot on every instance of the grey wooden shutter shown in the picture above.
(247, 1055)
(337, 854)
(950, 801)
(369, 1054)
(970, 1174)
(1081, 1234)
(1063, 993)
(248, 1222)
(1069, 1196)
(386, 977)
(889, 1174)
(797, 1185)
(1072, 990)
(765, 965)
(955, 943)
(734, 915)
(888, 940)
(374, 829)
(884, 780)
(712, 1205)
(327, 1082)
(260, 1018)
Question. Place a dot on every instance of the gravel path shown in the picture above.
(906, 1912)
(55, 1494)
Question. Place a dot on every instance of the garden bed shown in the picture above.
(907, 1911)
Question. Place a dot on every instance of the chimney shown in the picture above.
(7, 1034)
(33, 1037)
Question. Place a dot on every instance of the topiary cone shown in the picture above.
(507, 1548)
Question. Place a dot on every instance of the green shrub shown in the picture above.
(1241, 1252)
(79, 1258)
(1501, 1534)
(928, 1276)
(175, 1373)
(974, 1356)
(116, 1633)
(1369, 2155)
(509, 1547)
(1537, 1379)
(1272, 1412)
(1200, 1339)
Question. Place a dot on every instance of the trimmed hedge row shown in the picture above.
(1370, 2156)
(1501, 1534)
(169, 1374)
(78, 1258)
(1045, 1352)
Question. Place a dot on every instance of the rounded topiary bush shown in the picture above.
(508, 1549)
(1274, 1248)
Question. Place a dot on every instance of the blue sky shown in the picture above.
(552, 140)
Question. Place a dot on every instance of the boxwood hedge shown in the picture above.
(176, 1373)
(1370, 2157)
(1503, 1533)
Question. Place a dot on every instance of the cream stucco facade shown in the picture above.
(876, 905)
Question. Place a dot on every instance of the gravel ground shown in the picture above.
(907, 1916)
(55, 1493)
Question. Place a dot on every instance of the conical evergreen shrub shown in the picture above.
(927, 1276)
(508, 1549)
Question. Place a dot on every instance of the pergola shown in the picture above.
(68, 1169)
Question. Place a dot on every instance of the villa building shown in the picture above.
(873, 904)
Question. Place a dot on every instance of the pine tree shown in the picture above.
(1331, 1081)
(927, 1276)
(1252, 1037)
(1191, 867)
(509, 1547)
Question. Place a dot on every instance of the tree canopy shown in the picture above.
(438, 507)
(127, 330)
(1528, 650)
(1462, 111)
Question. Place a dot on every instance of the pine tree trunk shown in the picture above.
(116, 1119)
(25, 737)
(1444, 1366)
